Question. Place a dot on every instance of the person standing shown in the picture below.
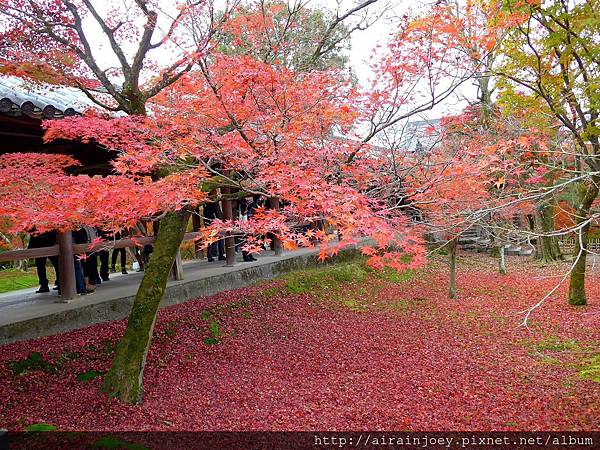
(103, 255)
(212, 211)
(82, 284)
(115, 255)
(244, 212)
(90, 264)
(47, 239)
(257, 202)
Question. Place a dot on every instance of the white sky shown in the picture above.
(363, 43)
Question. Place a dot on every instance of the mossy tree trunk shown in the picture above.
(124, 379)
(501, 259)
(452, 248)
(548, 249)
(587, 193)
(498, 247)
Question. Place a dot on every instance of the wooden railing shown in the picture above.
(16, 255)
(569, 244)
(65, 250)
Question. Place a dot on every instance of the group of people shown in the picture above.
(87, 273)
(87, 276)
(242, 210)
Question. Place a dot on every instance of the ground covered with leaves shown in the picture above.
(335, 348)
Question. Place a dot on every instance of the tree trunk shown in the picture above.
(548, 249)
(498, 247)
(124, 379)
(577, 295)
(452, 255)
(586, 196)
(501, 260)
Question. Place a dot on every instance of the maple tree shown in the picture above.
(294, 34)
(49, 41)
(550, 53)
(475, 28)
(435, 53)
(255, 99)
(422, 66)
(515, 168)
(482, 27)
(451, 184)
(539, 56)
(39, 194)
(164, 165)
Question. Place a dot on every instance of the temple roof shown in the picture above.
(23, 107)
(40, 101)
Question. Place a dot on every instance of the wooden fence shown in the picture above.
(568, 244)
(66, 250)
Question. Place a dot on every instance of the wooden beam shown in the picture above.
(16, 255)
(229, 239)
(176, 273)
(196, 225)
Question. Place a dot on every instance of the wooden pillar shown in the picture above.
(176, 273)
(229, 240)
(66, 266)
(196, 225)
(274, 204)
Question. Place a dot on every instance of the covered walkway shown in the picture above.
(25, 314)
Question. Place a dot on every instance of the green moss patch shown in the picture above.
(590, 369)
(34, 361)
(555, 344)
(37, 427)
(84, 377)
(324, 278)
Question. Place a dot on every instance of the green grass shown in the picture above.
(213, 326)
(350, 284)
(108, 347)
(554, 344)
(35, 361)
(13, 280)
(393, 276)
(403, 305)
(36, 427)
(342, 284)
(591, 369)
(329, 278)
(585, 356)
(271, 292)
